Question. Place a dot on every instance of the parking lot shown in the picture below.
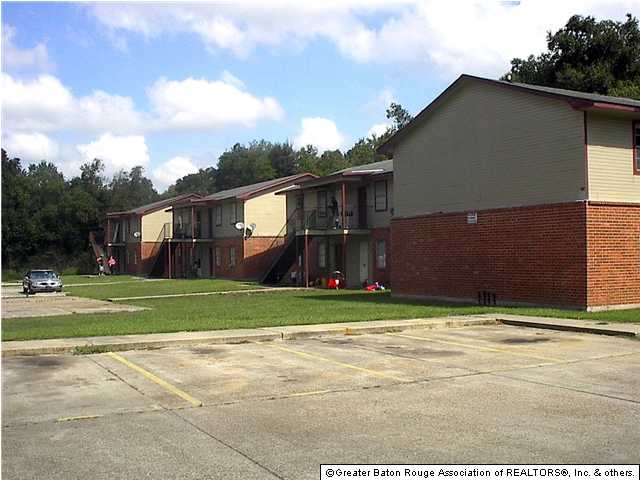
(485, 394)
(17, 305)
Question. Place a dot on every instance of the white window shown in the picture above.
(218, 257)
(380, 191)
(232, 257)
(218, 215)
(322, 254)
(381, 254)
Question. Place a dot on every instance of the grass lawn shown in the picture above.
(156, 287)
(69, 280)
(260, 310)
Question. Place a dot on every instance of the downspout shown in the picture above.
(344, 200)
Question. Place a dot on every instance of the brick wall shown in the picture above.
(613, 246)
(259, 254)
(225, 270)
(527, 254)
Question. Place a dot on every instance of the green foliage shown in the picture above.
(203, 182)
(399, 115)
(46, 220)
(587, 55)
(245, 165)
(131, 189)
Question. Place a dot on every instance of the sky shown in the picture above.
(171, 86)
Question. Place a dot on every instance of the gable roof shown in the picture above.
(155, 206)
(578, 100)
(248, 191)
(375, 168)
(353, 174)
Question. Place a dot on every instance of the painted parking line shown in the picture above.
(154, 378)
(479, 347)
(314, 356)
(77, 417)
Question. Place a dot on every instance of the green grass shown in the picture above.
(159, 287)
(262, 310)
(70, 280)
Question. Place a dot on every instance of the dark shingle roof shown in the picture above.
(384, 166)
(247, 191)
(155, 206)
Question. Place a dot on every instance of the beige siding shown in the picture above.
(152, 225)
(228, 229)
(610, 150)
(379, 219)
(268, 212)
(488, 147)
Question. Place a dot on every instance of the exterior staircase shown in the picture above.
(96, 241)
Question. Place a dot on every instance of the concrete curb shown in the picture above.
(568, 327)
(159, 340)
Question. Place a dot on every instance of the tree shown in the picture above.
(17, 222)
(203, 182)
(587, 55)
(283, 159)
(331, 161)
(364, 151)
(245, 165)
(399, 115)
(130, 190)
(307, 160)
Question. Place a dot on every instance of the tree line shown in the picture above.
(46, 219)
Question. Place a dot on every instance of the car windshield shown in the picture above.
(44, 275)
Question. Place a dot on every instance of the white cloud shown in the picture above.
(117, 152)
(171, 170)
(44, 104)
(378, 129)
(319, 132)
(199, 104)
(453, 36)
(15, 58)
(31, 147)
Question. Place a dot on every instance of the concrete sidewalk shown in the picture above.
(159, 340)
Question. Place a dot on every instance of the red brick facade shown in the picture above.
(528, 254)
(259, 254)
(572, 255)
(613, 258)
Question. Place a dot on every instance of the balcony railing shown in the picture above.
(355, 217)
(184, 230)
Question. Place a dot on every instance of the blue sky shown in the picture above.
(170, 86)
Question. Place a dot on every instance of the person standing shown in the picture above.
(112, 264)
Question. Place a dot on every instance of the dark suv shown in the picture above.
(41, 281)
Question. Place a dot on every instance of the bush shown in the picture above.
(11, 275)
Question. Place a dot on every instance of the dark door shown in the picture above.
(362, 207)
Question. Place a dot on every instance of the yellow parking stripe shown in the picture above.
(164, 384)
(374, 373)
(79, 417)
(304, 394)
(478, 347)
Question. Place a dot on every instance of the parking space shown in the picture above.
(17, 305)
(279, 409)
